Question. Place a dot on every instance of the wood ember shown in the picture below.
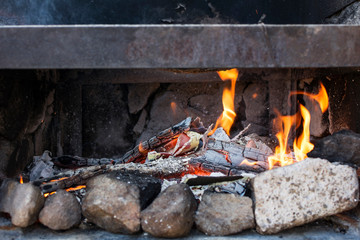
(302, 192)
(223, 156)
(160, 167)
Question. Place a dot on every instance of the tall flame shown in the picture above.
(302, 145)
(228, 115)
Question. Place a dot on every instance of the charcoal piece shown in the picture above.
(224, 214)
(301, 193)
(61, 211)
(112, 204)
(149, 186)
(342, 146)
(26, 204)
(171, 214)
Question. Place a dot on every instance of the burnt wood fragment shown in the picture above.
(138, 153)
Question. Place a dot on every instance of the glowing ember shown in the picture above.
(75, 188)
(21, 179)
(59, 179)
(68, 190)
(173, 107)
(228, 115)
(248, 162)
(284, 124)
(48, 194)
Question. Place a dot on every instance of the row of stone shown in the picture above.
(284, 197)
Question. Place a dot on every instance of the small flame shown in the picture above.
(228, 115)
(322, 97)
(248, 163)
(21, 179)
(141, 148)
(302, 145)
(173, 107)
(48, 194)
(254, 96)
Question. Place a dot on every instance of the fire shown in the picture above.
(173, 108)
(75, 188)
(21, 179)
(248, 163)
(228, 115)
(68, 190)
(302, 145)
(322, 97)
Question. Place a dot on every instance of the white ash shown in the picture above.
(41, 167)
(220, 135)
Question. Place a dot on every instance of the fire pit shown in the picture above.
(136, 125)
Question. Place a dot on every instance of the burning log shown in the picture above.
(229, 158)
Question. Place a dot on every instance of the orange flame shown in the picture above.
(228, 115)
(248, 163)
(322, 97)
(75, 188)
(173, 108)
(302, 145)
(68, 190)
(21, 179)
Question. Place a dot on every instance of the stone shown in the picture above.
(26, 205)
(224, 214)
(7, 190)
(149, 186)
(342, 146)
(113, 205)
(61, 211)
(171, 214)
(139, 94)
(349, 15)
(296, 194)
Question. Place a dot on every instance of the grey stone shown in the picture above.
(171, 214)
(7, 190)
(113, 205)
(139, 94)
(61, 211)
(302, 192)
(349, 15)
(342, 146)
(26, 205)
(224, 214)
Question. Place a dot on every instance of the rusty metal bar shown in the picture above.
(179, 46)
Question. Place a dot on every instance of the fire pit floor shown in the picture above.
(316, 230)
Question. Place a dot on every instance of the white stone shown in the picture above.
(303, 192)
